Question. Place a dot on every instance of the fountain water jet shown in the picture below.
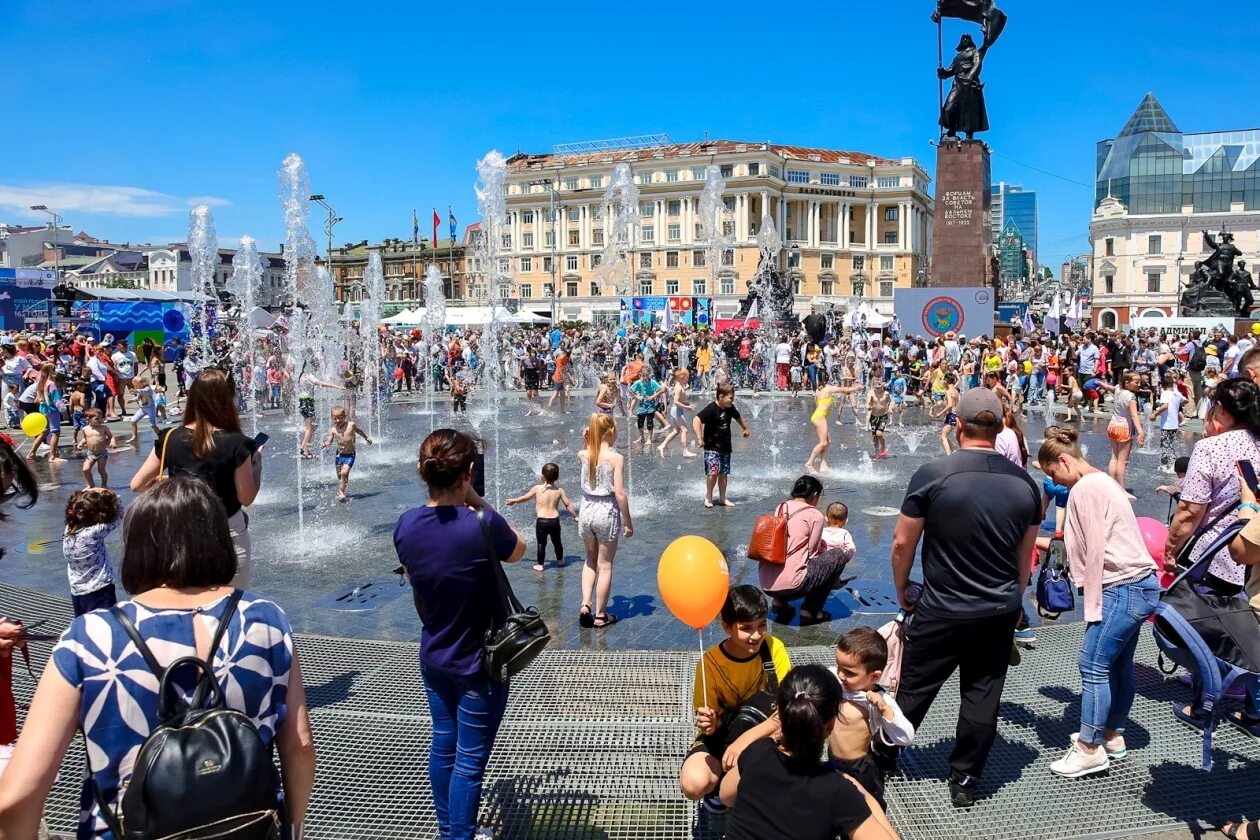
(203, 249)
(434, 323)
(370, 342)
(492, 201)
(244, 284)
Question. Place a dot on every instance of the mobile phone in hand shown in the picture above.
(261, 438)
(1248, 473)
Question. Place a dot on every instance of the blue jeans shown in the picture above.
(100, 395)
(1106, 661)
(466, 713)
(1037, 386)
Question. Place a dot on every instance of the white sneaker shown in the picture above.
(1078, 763)
(1115, 747)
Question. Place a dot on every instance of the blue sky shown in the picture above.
(121, 114)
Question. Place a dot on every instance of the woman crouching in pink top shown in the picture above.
(809, 573)
(1111, 565)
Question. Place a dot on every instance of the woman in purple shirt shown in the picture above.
(447, 557)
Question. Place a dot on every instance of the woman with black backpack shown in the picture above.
(103, 678)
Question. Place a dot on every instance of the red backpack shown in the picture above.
(768, 543)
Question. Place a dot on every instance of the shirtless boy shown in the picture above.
(878, 407)
(96, 442)
(343, 433)
(547, 496)
(946, 409)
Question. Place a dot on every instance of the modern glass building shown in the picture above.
(1012, 204)
(1152, 167)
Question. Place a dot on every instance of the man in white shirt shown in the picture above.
(125, 365)
(782, 361)
(15, 368)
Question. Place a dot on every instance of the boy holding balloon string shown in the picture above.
(734, 690)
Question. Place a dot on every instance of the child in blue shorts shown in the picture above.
(343, 433)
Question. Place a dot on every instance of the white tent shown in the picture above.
(261, 319)
(873, 319)
(523, 317)
(405, 318)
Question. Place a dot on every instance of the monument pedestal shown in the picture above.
(963, 237)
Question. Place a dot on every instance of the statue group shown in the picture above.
(963, 111)
(1218, 286)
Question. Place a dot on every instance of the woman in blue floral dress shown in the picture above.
(178, 562)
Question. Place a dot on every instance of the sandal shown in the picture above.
(1245, 722)
(1189, 718)
(1242, 828)
(820, 617)
(585, 619)
(604, 620)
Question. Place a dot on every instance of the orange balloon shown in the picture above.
(693, 579)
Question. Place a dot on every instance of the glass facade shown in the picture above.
(1012, 204)
(1153, 167)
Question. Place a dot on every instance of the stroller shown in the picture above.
(1214, 637)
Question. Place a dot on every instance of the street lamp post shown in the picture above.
(555, 208)
(54, 222)
(329, 224)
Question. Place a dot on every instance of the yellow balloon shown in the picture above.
(1255, 329)
(693, 580)
(34, 424)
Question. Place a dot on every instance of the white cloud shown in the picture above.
(99, 199)
(208, 200)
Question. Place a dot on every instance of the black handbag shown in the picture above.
(510, 648)
(756, 709)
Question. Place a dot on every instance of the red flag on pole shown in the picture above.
(437, 220)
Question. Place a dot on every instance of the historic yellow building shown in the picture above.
(854, 226)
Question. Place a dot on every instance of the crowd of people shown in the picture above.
(790, 751)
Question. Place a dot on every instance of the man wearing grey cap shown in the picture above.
(977, 515)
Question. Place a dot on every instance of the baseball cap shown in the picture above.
(977, 401)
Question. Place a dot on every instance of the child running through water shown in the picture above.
(547, 496)
(97, 439)
(343, 433)
(91, 516)
(946, 409)
(148, 408)
(878, 407)
(677, 420)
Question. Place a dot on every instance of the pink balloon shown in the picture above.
(1154, 534)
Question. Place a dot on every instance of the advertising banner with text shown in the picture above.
(934, 312)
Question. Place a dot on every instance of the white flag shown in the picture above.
(752, 311)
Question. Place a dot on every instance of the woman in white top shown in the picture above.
(603, 517)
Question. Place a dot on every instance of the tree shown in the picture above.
(119, 283)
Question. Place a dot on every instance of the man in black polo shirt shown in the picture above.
(977, 515)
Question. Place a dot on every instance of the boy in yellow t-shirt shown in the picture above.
(737, 674)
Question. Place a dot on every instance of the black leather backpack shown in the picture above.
(204, 772)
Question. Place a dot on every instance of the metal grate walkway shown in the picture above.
(592, 741)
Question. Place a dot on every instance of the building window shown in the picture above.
(890, 214)
(728, 285)
(527, 241)
(1109, 247)
(859, 263)
(647, 208)
(794, 258)
(645, 287)
(648, 233)
(549, 238)
(645, 260)
(886, 288)
(671, 176)
(571, 262)
(1152, 282)
(507, 242)
(547, 287)
(827, 261)
(887, 264)
(671, 259)
(527, 265)
(777, 172)
(594, 289)
(596, 259)
(570, 183)
(674, 208)
(527, 217)
(674, 232)
(597, 237)
(829, 179)
(859, 288)
(754, 169)
(797, 176)
(728, 258)
(574, 236)
(597, 212)
(546, 265)
(888, 182)
(575, 214)
(826, 288)
(527, 291)
(890, 237)
(1155, 244)
(858, 181)
(699, 235)
(697, 259)
(571, 288)
(729, 203)
(727, 170)
(1109, 284)
(597, 182)
(671, 287)
(505, 266)
(699, 286)
(698, 173)
(645, 177)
